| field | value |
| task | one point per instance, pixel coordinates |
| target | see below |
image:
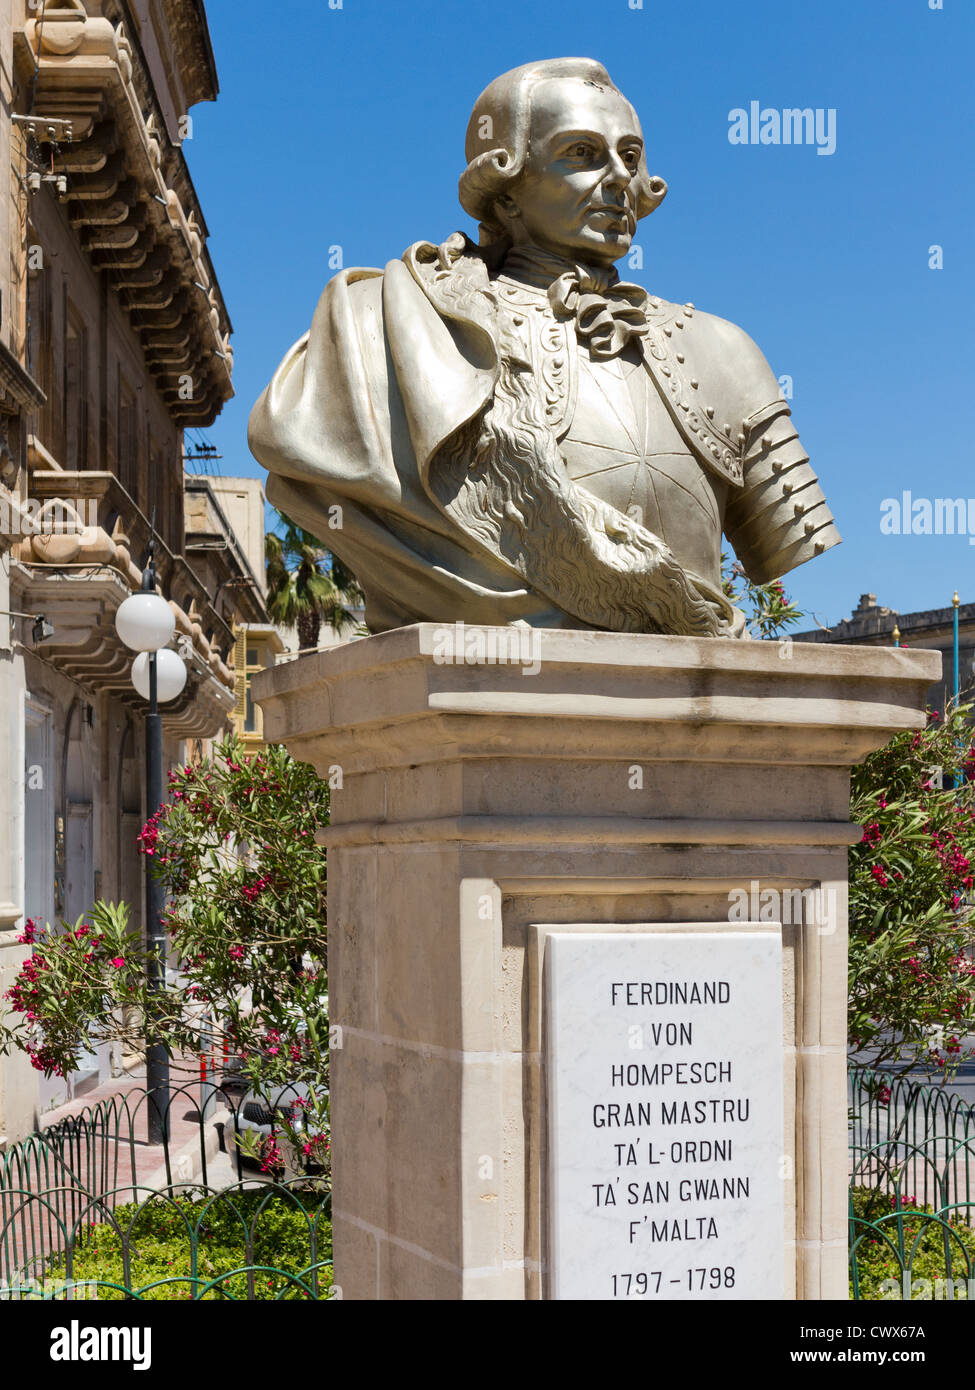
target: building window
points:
(39, 867)
(127, 435)
(75, 388)
(250, 656)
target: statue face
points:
(576, 196)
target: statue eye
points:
(582, 151)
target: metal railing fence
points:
(75, 1206)
(75, 1200)
(912, 1189)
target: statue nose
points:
(619, 174)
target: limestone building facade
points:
(114, 339)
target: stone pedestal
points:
(603, 784)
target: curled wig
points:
(497, 139)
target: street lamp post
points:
(145, 624)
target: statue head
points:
(555, 157)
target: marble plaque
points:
(665, 1113)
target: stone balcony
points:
(74, 563)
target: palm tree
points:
(306, 585)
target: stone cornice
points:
(191, 38)
(395, 700)
(144, 233)
(595, 830)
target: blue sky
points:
(345, 127)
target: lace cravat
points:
(608, 311)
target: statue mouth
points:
(620, 216)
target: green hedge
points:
(161, 1233)
(931, 1249)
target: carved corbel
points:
(150, 274)
(168, 339)
(166, 315)
(124, 51)
(90, 156)
(118, 236)
(57, 540)
(69, 29)
(85, 211)
(194, 235)
(123, 257)
(152, 142)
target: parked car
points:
(255, 1115)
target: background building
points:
(872, 625)
(219, 507)
(114, 340)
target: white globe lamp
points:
(145, 622)
(170, 675)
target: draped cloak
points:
(397, 363)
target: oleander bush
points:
(912, 886)
(235, 845)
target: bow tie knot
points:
(607, 315)
(608, 311)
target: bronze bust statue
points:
(508, 432)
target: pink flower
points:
(118, 962)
